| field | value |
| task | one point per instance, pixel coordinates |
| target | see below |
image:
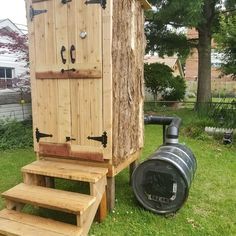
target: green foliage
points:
(157, 77)
(177, 89)
(223, 114)
(15, 134)
(160, 81)
(226, 41)
(164, 31)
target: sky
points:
(14, 10)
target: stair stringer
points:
(85, 220)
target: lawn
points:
(210, 209)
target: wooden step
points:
(55, 199)
(66, 170)
(17, 223)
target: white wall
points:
(10, 60)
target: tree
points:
(159, 80)
(15, 43)
(165, 37)
(226, 42)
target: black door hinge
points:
(34, 12)
(102, 139)
(103, 3)
(41, 135)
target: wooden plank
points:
(65, 170)
(111, 193)
(102, 210)
(32, 60)
(16, 223)
(65, 151)
(70, 202)
(83, 74)
(55, 149)
(107, 77)
(35, 1)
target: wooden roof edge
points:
(146, 5)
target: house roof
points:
(169, 61)
(4, 23)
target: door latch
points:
(102, 139)
(39, 135)
(65, 1)
(103, 3)
(33, 12)
(68, 139)
(63, 71)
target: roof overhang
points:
(146, 5)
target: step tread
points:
(17, 223)
(66, 170)
(65, 201)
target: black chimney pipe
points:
(171, 134)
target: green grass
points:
(210, 209)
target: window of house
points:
(6, 73)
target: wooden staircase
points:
(35, 191)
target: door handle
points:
(63, 49)
(72, 49)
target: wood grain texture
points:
(64, 150)
(21, 224)
(127, 59)
(70, 202)
(65, 170)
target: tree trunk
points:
(204, 67)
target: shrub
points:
(15, 134)
(159, 80)
(177, 89)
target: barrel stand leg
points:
(132, 167)
(110, 193)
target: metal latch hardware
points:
(68, 139)
(102, 139)
(34, 12)
(65, 1)
(63, 71)
(41, 135)
(103, 3)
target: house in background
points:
(10, 68)
(173, 62)
(221, 85)
(14, 104)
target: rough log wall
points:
(127, 55)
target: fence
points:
(15, 105)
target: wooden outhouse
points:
(86, 68)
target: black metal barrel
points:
(161, 184)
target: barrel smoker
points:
(161, 183)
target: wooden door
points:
(68, 104)
(85, 42)
(51, 92)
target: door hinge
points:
(102, 139)
(39, 135)
(103, 3)
(34, 12)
